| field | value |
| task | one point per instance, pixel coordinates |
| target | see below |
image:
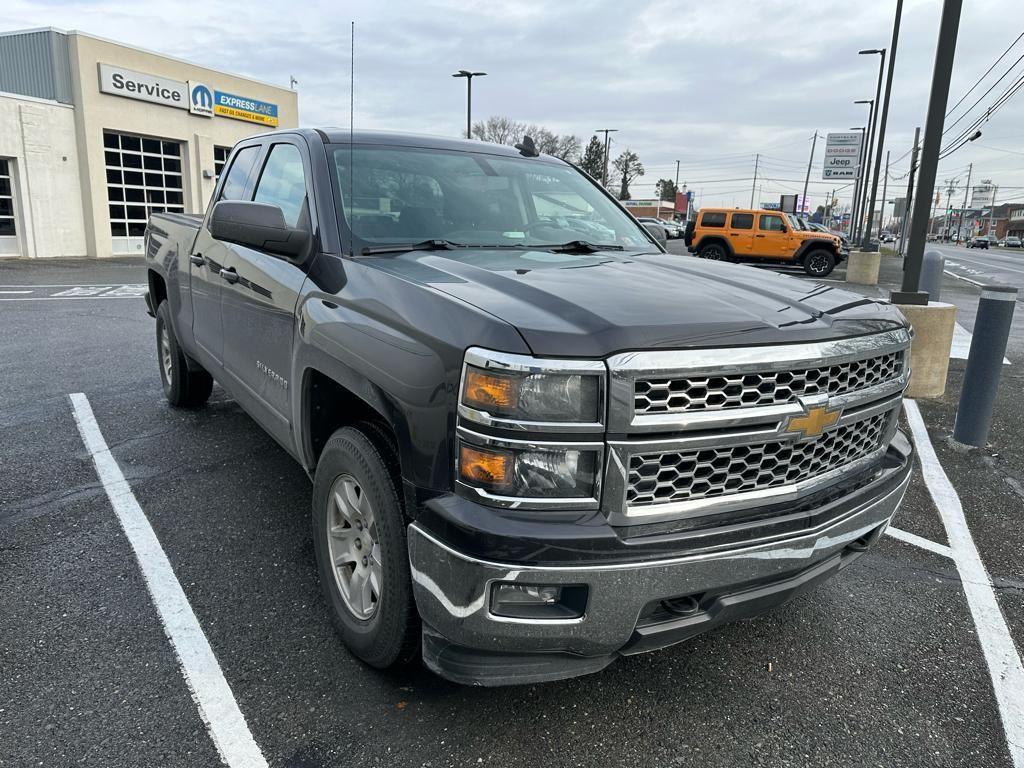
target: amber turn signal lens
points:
(483, 467)
(487, 390)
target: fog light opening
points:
(543, 602)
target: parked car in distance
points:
(531, 453)
(979, 241)
(1012, 242)
(672, 228)
(822, 228)
(724, 234)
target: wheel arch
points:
(716, 240)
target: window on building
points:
(772, 224)
(143, 177)
(6, 201)
(283, 182)
(220, 158)
(743, 221)
(713, 219)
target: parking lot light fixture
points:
(469, 96)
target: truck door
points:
(209, 256)
(258, 300)
(741, 233)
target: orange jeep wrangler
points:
(726, 234)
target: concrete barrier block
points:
(862, 267)
(929, 353)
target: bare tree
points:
(628, 169)
(499, 130)
(504, 130)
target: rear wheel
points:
(819, 263)
(713, 251)
(359, 536)
(183, 387)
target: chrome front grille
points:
(692, 433)
(660, 478)
(703, 393)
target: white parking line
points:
(919, 541)
(210, 691)
(1004, 664)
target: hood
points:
(594, 305)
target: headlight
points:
(507, 470)
(520, 392)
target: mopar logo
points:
(200, 99)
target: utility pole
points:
(992, 212)
(951, 187)
(963, 211)
(753, 187)
(807, 178)
(905, 224)
(885, 200)
(604, 175)
(945, 50)
(675, 191)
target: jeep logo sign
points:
(138, 85)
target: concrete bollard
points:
(932, 268)
(984, 365)
(929, 353)
(862, 267)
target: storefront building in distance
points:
(96, 135)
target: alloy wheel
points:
(353, 547)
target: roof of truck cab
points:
(397, 139)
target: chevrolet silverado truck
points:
(537, 442)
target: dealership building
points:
(96, 135)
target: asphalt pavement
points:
(881, 666)
(980, 265)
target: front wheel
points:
(359, 536)
(183, 387)
(819, 263)
(713, 251)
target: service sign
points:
(142, 87)
(241, 108)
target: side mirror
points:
(657, 232)
(257, 225)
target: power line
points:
(987, 71)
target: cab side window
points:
(743, 221)
(283, 183)
(238, 177)
(713, 219)
(772, 224)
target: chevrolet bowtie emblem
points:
(812, 423)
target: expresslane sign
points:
(194, 96)
(241, 108)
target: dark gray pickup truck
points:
(537, 441)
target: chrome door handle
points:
(197, 259)
(229, 274)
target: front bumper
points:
(465, 642)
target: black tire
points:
(713, 251)
(819, 262)
(391, 635)
(184, 387)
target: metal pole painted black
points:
(885, 114)
(866, 177)
(984, 364)
(905, 224)
(856, 187)
(937, 101)
(885, 192)
(866, 242)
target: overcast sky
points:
(709, 84)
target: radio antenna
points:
(351, 140)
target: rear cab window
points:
(713, 219)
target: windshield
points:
(795, 223)
(405, 195)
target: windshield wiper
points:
(578, 246)
(425, 245)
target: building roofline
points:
(36, 99)
(78, 32)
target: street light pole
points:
(885, 200)
(945, 50)
(604, 174)
(866, 169)
(469, 97)
(885, 116)
(856, 186)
